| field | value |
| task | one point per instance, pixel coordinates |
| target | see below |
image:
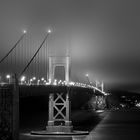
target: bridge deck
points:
(36, 90)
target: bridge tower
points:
(58, 61)
(59, 103)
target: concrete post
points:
(14, 81)
(68, 111)
(102, 87)
(51, 99)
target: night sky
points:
(103, 36)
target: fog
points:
(102, 37)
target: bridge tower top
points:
(59, 61)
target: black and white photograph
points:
(69, 69)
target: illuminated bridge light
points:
(71, 83)
(55, 82)
(24, 31)
(59, 82)
(8, 76)
(22, 80)
(34, 78)
(31, 80)
(63, 83)
(38, 82)
(49, 31)
(47, 83)
(66, 83)
(42, 79)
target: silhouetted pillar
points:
(51, 99)
(68, 111)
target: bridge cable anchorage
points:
(34, 55)
(12, 48)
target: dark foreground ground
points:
(118, 125)
(82, 120)
(115, 125)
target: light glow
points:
(31, 80)
(23, 78)
(24, 31)
(34, 78)
(8, 76)
(49, 31)
(42, 79)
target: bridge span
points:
(37, 90)
(59, 97)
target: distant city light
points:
(138, 105)
(87, 75)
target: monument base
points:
(73, 133)
(59, 128)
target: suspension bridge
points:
(31, 65)
(35, 71)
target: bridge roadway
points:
(37, 90)
(34, 96)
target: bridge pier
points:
(9, 110)
(98, 102)
(59, 103)
(59, 122)
(59, 113)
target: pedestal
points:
(59, 122)
(59, 113)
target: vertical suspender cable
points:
(45, 61)
(34, 55)
(47, 58)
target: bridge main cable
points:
(10, 51)
(35, 54)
